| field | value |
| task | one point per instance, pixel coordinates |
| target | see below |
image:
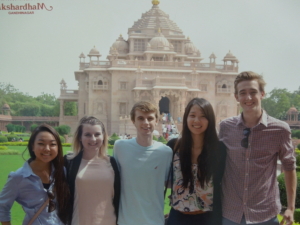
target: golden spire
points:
(159, 31)
(155, 2)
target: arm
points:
(7, 197)
(290, 184)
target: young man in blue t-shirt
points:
(144, 165)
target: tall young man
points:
(144, 165)
(254, 142)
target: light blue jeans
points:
(273, 221)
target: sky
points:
(38, 50)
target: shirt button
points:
(246, 189)
(244, 203)
(246, 174)
(247, 159)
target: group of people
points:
(227, 178)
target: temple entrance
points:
(164, 105)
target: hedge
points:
(282, 190)
(10, 152)
(3, 139)
(298, 160)
(3, 148)
(12, 136)
(297, 215)
(25, 144)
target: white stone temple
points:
(157, 63)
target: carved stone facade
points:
(156, 61)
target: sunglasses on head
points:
(52, 205)
(245, 142)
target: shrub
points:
(10, 127)
(298, 146)
(3, 139)
(110, 146)
(63, 129)
(282, 190)
(66, 144)
(3, 148)
(33, 126)
(62, 139)
(112, 139)
(14, 143)
(12, 137)
(162, 139)
(297, 215)
(10, 152)
(155, 138)
(298, 160)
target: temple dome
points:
(5, 106)
(153, 19)
(230, 57)
(159, 42)
(190, 49)
(292, 109)
(94, 52)
(121, 45)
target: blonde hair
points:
(249, 75)
(144, 107)
(77, 145)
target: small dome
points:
(212, 56)
(159, 42)
(82, 55)
(94, 52)
(190, 49)
(292, 109)
(5, 106)
(121, 45)
(230, 57)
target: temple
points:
(157, 63)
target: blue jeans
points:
(273, 221)
(178, 218)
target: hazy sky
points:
(37, 51)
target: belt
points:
(194, 212)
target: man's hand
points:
(288, 217)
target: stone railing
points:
(68, 94)
(158, 64)
(35, 118)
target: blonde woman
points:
(93, 176)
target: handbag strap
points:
(38, 212)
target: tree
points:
(33, 126)
(10, 127)
(70, 108)
(63, 129)
(112, 139)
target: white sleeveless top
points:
(94, 192)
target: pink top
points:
(94, 192)
(199, 199)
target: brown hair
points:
(249, 75)
(77, 145)
(208, 159)
(61, 187)
(145, 107)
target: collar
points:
(27, 171)
(263, 119)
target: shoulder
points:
(122, 142)
(276, 123)
(230, 120)
(161, 146)
(172, 143)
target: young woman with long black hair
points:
(198, 165)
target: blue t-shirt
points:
(144, 171)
